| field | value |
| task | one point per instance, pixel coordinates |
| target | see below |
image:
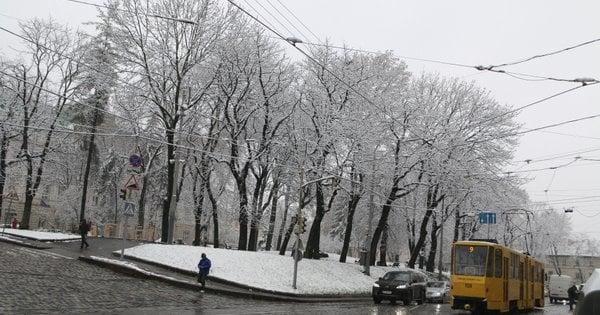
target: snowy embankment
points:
(41, 236)
(265, 271)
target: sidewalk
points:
(101, 251)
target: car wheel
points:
(376, 300)
(407, 301)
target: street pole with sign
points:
(297, 229)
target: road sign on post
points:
(487, 218)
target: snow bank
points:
(41, 236)
(131, 266)
(264, 270)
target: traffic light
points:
(123, 194)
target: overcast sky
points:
(467, 32)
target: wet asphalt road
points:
(41, 282)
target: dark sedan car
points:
(404, 285)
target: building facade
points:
(577, 266)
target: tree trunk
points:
(255, 216)
(286, 239)
(273, 215)
(432, 202)
(430, 266)
(349, 221)
(24, 224)
(170, 134)
(385, 212)
(215, 214)
(3, 165)
(457, 218)
(314, 236)
(285, 214)
(243, 215)
(88, 166)
(383, 247)
(199, 204)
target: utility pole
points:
(441, 245)
(173, 205)
(370, 225)
(298, 217)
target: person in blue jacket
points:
(203, 269)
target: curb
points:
(42, 239)
(320, 298)
(24, 244)
(194, 286)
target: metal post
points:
(173, 205)
(295, 263)
(441, 244)
(124, 236)
(370, 218)
(298, 214)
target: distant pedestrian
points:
(84, 228)
(572, 292)
(203, 270)
(15, 223)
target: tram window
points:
(490, 263)
(498, 263)
(470, 260)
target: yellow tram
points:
(488, 276)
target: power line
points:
(300, 21)
(546, 54)
(175, 19)
(274, 17)
(520, 108)
(538, 128)
(571, 135)
(516, 75)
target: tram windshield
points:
(469, 260)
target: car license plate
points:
(386, 292)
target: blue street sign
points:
(487, 218)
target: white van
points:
(558, 287)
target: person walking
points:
(572, 292)
(203, 270)
(84, 228)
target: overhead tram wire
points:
(308, 56)
(481, 68)
(288, 20)
(314, 60)
(546, 54)
(520, 108)
(175, 19)
(247, 2)
(571, 135)
(300, 21)
(536, 129)
(274, 17)
(98, 71)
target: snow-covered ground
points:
(41, 236)
(264, 270)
